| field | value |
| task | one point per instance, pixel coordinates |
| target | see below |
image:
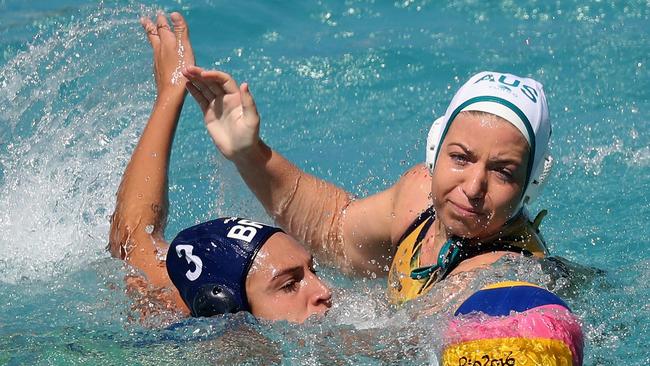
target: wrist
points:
(173, 96)
(257, 153)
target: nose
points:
(475, 183)
(320, 296)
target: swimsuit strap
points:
(415, 258)
(454, 251)
(447, 260)
(424, 215)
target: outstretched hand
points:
(172, 52)
(229, 110)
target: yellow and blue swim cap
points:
(209, 262)
(513, 323)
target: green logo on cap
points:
(528, 91)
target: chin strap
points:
(538, 219)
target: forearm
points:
(308, 208)
(142, 202)
(318, 213)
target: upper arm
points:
(131, 241)
(372, 226)
(366, 231)
(146, 251)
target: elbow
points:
(127, 220)
(118, 239)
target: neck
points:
(434, 240)
(513, 223)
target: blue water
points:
(347, 90)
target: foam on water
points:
(71, 128)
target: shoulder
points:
(416, 175)
(412, 197)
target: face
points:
(479, 175)
(282, 283)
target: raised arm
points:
(354, 235)
(138, 223)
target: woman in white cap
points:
(486, 159)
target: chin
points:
(468, 229)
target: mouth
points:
(465, 211)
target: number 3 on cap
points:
(198, 263)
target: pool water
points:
(346, 90)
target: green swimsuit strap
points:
(448, 258)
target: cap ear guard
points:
(538, 180)
(433, 142)
(214, 299)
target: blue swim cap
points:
(208, 263)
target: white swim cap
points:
(520, 101)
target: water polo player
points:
(463, 209)
(220, 266)
(233, 264)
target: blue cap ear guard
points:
(208, 263)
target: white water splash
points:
(72, 115)
(592, 158)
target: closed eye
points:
(288, 280)
(290, 286)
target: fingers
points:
(247, 102)
(198, 96)
(180, 28)
(164, 31)
(215, 83)
(207, 86)
(221, 80)
(151, 31)
(193, 74)
(182, 33)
